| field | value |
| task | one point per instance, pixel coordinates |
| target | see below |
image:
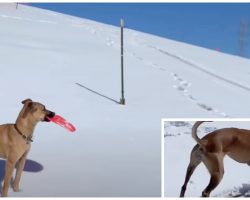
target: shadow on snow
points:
(30, 166)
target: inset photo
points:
(206, 157)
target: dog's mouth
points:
(48, 116)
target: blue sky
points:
(210, 25)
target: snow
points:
(72, 65)
(178, 146)
(44, 55)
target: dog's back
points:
(5, 137)
(211, 150)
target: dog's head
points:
(36, 110)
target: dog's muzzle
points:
(49, 115)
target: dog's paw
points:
(16, 189)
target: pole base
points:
(122, 101)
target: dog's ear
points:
(26, 100)
(27, 108)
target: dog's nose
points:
(51, 114)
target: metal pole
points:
(243, 36)
(122, 100)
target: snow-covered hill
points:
(178, 146)
(72, 65)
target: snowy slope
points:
(72, 66)
(178, 146)
(44, 55)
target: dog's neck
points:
(25, 126)
(26, 138)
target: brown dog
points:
(211, 150)
(15, 140)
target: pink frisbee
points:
(63, 123)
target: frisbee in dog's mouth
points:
(62, 122)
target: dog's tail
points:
(194, 133)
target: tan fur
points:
(211, 150)
(13, 147)
(194, 132)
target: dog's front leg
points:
(20, 166)
(9, 167)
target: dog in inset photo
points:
(15, 140)
(211, 150)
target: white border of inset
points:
(206, 119)
(162, 159)
(163, 120)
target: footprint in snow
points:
(179, 87)
(183, 85)
(204, 106)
